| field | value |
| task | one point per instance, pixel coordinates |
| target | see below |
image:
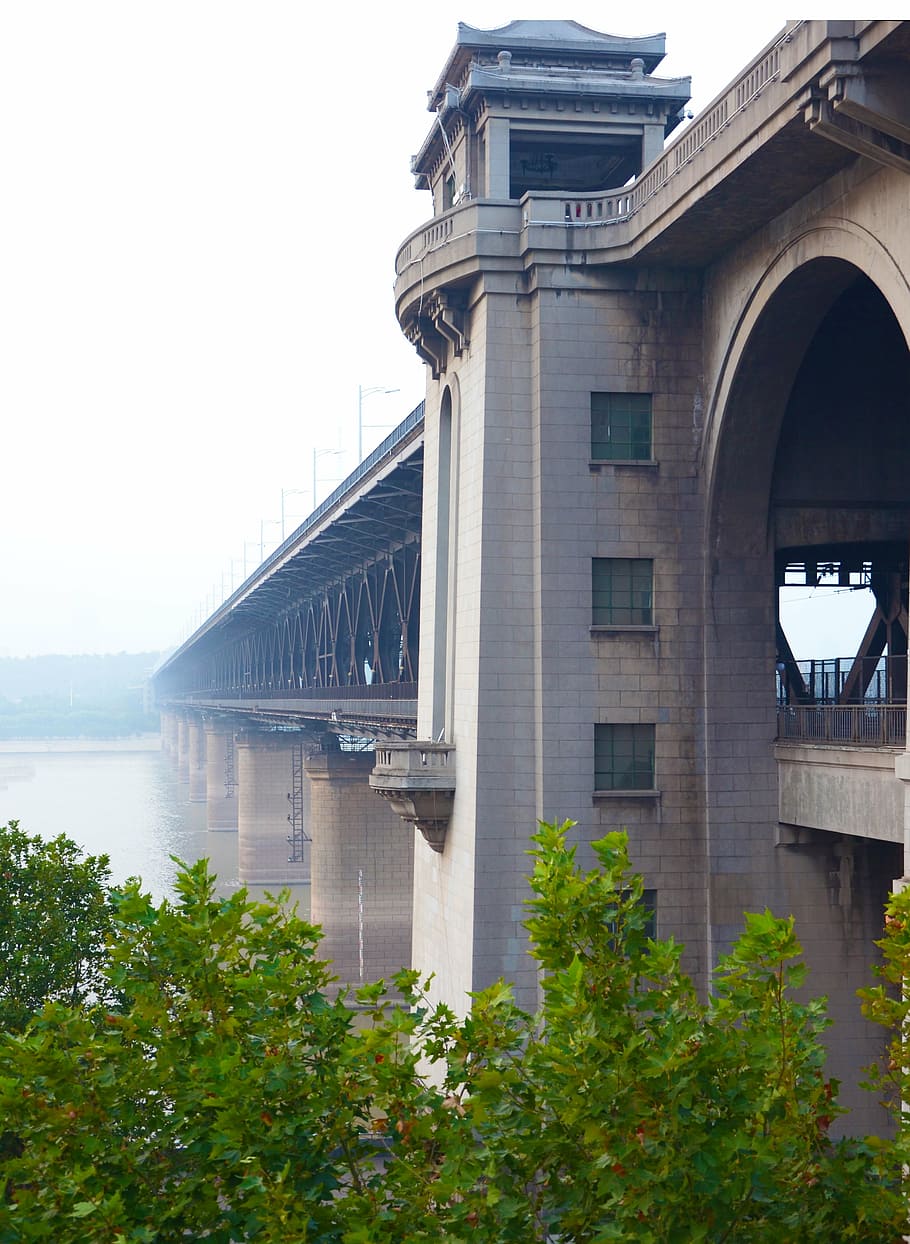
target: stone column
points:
(183, 747)
(362, 870)
(221, 795)
(196, 758)
(265, 778)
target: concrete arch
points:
(822, 272)
(764, 349)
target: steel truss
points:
(359, 632)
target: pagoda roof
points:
(551, 39)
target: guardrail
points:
(858, 725)
(621, 205)
(377, 691)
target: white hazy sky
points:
(201, 204)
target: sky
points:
(202, 202)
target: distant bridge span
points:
(326, 629)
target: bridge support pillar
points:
(265, 766)
(220, 775)
(183, 747)
(196, 757)
(168, 729)
(363, 859)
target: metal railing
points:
(861, 725)
(377, 691)
(847, 680)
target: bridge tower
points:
(658, 388)
(541, 471)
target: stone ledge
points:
(610, 628)
(625, 794)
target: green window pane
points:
(624, 757)
(620, 426)
(622, 591)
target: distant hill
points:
(88, 696)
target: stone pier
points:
(183, 747)
(362, 866)
(196, 757)
(265, 768)
(221, 794)
(168, 730)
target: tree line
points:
(86, 696)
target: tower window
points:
(620, 426)
(622, 591)
(624, 757)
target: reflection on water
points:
(129, 805)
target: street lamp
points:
(320, 453)
(263, 523)
(246, 545)
(289, 492)
(361, 394)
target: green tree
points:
(233, 1097)
(54, 918)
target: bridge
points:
(662, 384)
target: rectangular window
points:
(649, 901)
(623, 757)
(620, 427)
(622, 591)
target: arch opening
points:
(810, 497)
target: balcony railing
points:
(845, 680)
(861, 725)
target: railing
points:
(424, 759)
(847, 680)
(861, 725)
(374, 692)
(383, 450)
(398, 437)
(625, 203)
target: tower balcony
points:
(418, 780)
(437, 265)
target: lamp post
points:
(361, 394)
(320, 453)
(263, 523)
(288, 492)
(246, 545)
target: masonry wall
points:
(641, 336)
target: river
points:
(122, 799)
